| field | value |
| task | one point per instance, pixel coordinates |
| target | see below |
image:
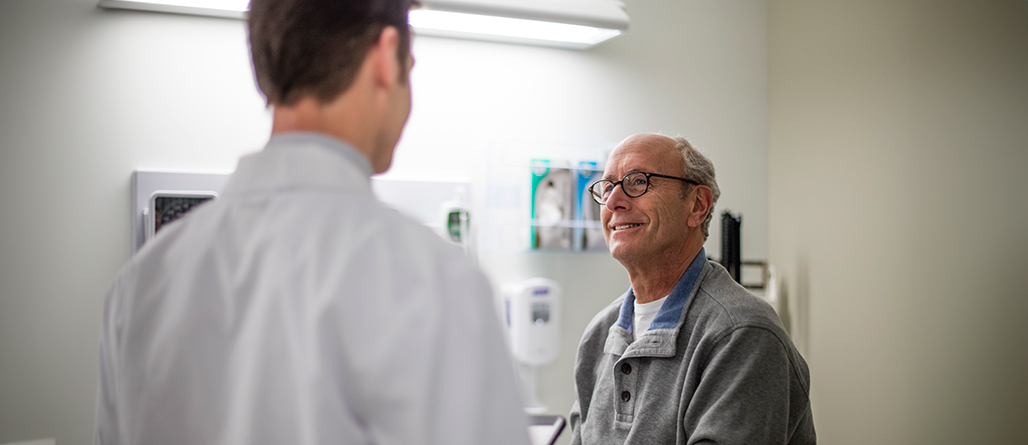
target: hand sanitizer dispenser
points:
(533, 316)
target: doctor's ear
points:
(383, 55)
(703, 200)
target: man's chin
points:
(620, 252)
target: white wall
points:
(87, 96)
(898, 143)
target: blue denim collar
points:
(671, 311)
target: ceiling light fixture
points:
(232, 9)
(576, 24)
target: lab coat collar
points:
(303, 138)
(301, 160)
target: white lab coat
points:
(297, 309)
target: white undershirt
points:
(644, 315)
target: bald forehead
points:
(651, 153)
(648, 141)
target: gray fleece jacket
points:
(716, 366)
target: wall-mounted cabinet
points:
(536, 198)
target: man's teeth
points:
(626, 226)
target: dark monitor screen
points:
(168, 207)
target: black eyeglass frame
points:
(598, 197)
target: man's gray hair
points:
(699, 169)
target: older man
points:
(687, 355)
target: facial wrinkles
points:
(621, 212)
(644, 225)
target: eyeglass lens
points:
(633, 184)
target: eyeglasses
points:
(634, 185)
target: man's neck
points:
(657, 278)
(346, 118)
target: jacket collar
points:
(305, 160)
(661, 337)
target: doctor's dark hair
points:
(698, 168)
(301, 48)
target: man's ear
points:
(384, 58)
(702, 201)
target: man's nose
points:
(617, 198)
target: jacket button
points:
(625, 396)
(626, 368)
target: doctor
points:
(297, 309)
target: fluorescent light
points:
(233, 9)
(226, 5)
(504, 29)
(575, 24)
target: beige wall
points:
(898, 149)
